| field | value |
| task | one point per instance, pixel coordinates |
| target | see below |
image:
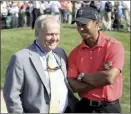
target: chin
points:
(87, 37)
(52, 47)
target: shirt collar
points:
(100, 42)
(40, 50)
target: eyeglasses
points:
(53, 69)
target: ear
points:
(36, 33)
(97, 22)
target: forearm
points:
(97, 79)
(79, 86)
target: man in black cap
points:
(100, 88)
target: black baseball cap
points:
(86, 14)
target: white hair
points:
(41, 21)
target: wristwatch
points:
(80, 76)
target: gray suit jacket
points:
(25, 88)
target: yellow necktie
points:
(54, 102)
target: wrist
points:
(81, 76)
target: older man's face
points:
(49, 37)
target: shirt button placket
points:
(91, 55)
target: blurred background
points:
(113, 14)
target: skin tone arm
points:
(81, 86)
(102, 78)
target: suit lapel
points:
(35, 59)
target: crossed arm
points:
(105, 77)
(91, 81)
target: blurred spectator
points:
(69, 10)
(78, 5)
(55, 8)
(95, 4)
(42, 8)
(9, 21)
(4, 10)
(118, 15)
(85, 3)
(127, 12)
(22, 16)
(64, 11)
(102, 11)
(4, 13)
(30, 11)
(47, 7)
(35, 12)
(108, 10)
(14, 10)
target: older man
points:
(36, 75)
(99, 89)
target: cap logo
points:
(81, 12)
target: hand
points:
(107, 65)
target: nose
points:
(81, 28)
(53, 36)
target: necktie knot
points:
(51, 63)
